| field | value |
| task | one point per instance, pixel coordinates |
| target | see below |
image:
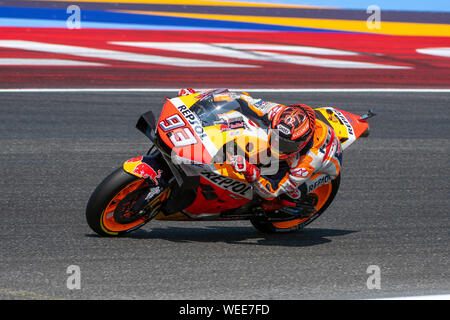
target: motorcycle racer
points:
(306, 144)
(221, 155)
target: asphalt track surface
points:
(392, 209)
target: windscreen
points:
(213, 104)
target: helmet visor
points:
(284, 146)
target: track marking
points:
(106, 54)
(26, 294)
(440, 52)
(233, 50)
(362, 90)
(429, 297)
(251, 51)
(46, 62)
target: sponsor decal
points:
(300, 133)
(206, 148)
(147, 172)
(283, 129)
(292, 190)
(300, 172)
(344, 121)
(153, 192)
(171, 123)
(193, 120)
(261, 104)
(237, 187)
(232, 124)
(318, 182)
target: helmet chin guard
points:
(292, 129)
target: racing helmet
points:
(291, 130)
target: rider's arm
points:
(268, 187)
(305, 165)
(259, 108)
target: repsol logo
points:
(237, 187)
(193, 120)
(319, 182)
(344, 121)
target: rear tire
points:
(269, 227)
(107, 196)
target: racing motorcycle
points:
(185, 175)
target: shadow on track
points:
(240, 235)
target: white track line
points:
(249, 51)
(394, 90)
(430, 297)
(106, 54)
(46, 62)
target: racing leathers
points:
(303, 171)
(322, 156)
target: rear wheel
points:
(325, 193)
(109, 209)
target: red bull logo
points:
(147, 172)
(137, 167)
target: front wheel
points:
(325, 193)
(109, 209)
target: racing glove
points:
(250, 172)
(186, 92)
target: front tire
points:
(106, 211)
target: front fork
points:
(150, 168)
